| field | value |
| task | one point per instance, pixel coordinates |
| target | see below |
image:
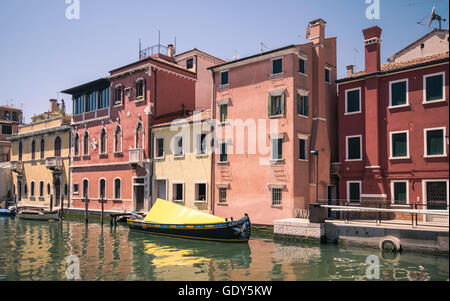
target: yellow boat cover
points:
(164, 212)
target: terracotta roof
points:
(404, 64)
(200, 116)
(10, 108)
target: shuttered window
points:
(302, 105)
(277, 149)
(399, 93)
(435, 142)
(353, 148)
(353, 101)
(434, 87)
(399, 145)
(277, 104)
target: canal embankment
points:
(389, 236)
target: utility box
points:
(317, 214)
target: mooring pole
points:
(103, 209)
(51, 202)
(61, 212)
(86, 208)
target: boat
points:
(8, 212)
(169, 219)
(39, 214)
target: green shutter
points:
(400, 193)
(283, 104)
(270, 105)
(306, 100)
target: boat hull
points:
(234, 231)
(40, 216)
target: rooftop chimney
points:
(350, 70)
(54, 106)
(317, 31)
(372, 44)
(170, 50)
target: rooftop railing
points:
(158, 48)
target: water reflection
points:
(33, 250)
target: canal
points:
(35, 250)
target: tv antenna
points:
(263, 46)
(435, 16)
(235, 56)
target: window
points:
(103, 100)
(434, 87)
(398, 93)
(91, 102)
(224, 78)
(42, 148)
(190, 64)
(86, 144)
(302, 105)
(200, 192)
(277, 66)
(76, 188)
(353, 101)
(140, 84)
(223, 152)
(399, 145)
(32, 189)
(201, 144)
(399, 192)
(6, 129)
(48, 189)
(302, 66)
(222, 195)
(223, 110)
(277, 194)
(139, 135)
(102, 189)
(41, 188)
(15, 116)
(7, 116)
(57, 152)
(118, 95)
(354, 192)
(118, 140)
(276, 105)
(85, 188)
(103, 141)
(25, 190)
(277, 148)
(20, 150)
(354, 148)
(178, 192)
(159, 147)
(79, 105)
(327, 75)
(434, 144)
(302, 149)
(117, 189)
(178, 150)
(435, 194)
(33, 150)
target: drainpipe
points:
(213, 107)
(152, 168)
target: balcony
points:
(16, 166)
(136, 156)
(53, 163)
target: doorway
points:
(139, 193)
(161, 189)
(57, 191)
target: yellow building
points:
(40, 159)
(182, 161)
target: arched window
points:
(58, 146)
(48, 189)
(76, 145)
(103, 141)
(20, 150)
(85, 188)
(42, 148)
(33, 150)
(102, 189)
(86, 144)
(139, 136)
(118, 139)
(117, 189)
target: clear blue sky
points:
(41, 52)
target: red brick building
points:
(393, 129)
(112, 120)
(10, 119)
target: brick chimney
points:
(54, 106)
(317, 31)
(372, 44)
(350, 70)
(170, 50)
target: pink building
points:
(394, 125)
(293, 87)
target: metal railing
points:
(53, 163)
(136, 155)
(155, 49)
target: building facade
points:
(182, 161)
(10, 119)
(40, 159)
(112, 131)
(393, 129)
(272, 110)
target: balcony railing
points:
(155, 49)
(136, 156)
(53, 163)
(16, 166)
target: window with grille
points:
(222, 195)
(276, 196)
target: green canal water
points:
(34, 250)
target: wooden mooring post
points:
(86, 207)
(61, 211)
(51, 202)
(103, 211)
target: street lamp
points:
(316, 153)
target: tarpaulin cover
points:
(164, 212)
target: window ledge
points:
(401, 205)
(178, 201)
(118, 153)
(304, 74)
(225, 123)
(277, 161)
(224, 86)
(399, 106)
(200, 202)
(201, 155)
(304, 116)
(277, 116)
(329, 83)
(352, 113)
(303, 160)
(276, 74)
(160, 158)
(178, 156)
(222, 204)
(138, 100)
(353, 160)
(277, 206)
(400, 158)
(435, 156)
(425, 102)
(223, 163)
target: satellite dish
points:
(435, 16)
(432, 16)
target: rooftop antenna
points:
(263, 46)
(236, 56)
(140, 48)
(159, 41)
(356, 52)
(435, 16)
